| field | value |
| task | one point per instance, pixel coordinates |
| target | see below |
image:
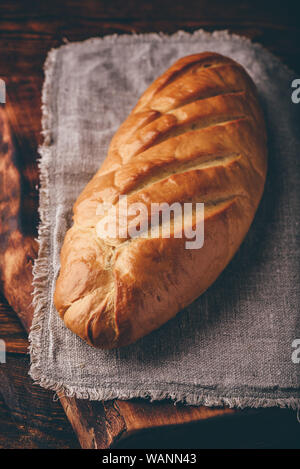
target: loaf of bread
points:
(197, 134)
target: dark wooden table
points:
(28, 415)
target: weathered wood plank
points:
(11, 330)
(29, 418)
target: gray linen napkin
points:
(234, 345)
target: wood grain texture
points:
(27, 31)
(29, 417)
(11, 331)
(18, 247)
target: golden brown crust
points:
(196, 135)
